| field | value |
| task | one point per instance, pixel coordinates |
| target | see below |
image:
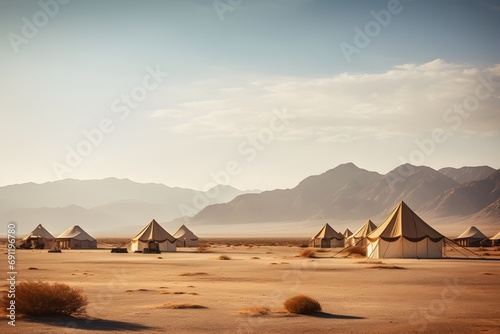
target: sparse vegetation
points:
(357, 250)
(203, 248)
(387, 267)
(224, 257)
(182, 306)
(37, 298)
(308, 252)
(256, 311)
(194, 274)
(302, 305)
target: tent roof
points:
(347, 233)
(472, 232)
(75, 232)
(153, 232)
(185, 233)
(327, 232)
(403, 222)
(40, 231)
(364, 230)
(496, 237)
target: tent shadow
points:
(89, 323)
(325, 315)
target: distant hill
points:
(108, 203)
(345, 196)
(467, 174)
(469, 198)
(351, 193)
(311, 198)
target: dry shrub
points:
(194, 274)
(224, 257)
(359, 250)
(256, 311)
(37, 298)
(203, 248)
(387, 267)
(302, 305)
(182, 306)
(255, 258)
(308, 252)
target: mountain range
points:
(109, 204)
(349, 193)
(345, 195)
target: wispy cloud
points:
(406, 100)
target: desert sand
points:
(132, 292)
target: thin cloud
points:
(405, 100)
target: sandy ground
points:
(127, 292)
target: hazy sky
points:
(268, 92)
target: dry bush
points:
(255, 258)
(302, 305)
(308, 252)
(355, 250)
(387, 267)
(182, 306)
(224, 257)
(256, 311)
(202, 248)
(194, 274)
(37, 298)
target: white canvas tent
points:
(75, 238)
(39, 238)
(153, 238)
(327, 238)
(347, 233)
(495, 239)
(471, 237)
(359, 237)
(404, 235)
(185, 237)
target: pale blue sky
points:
(227, 76)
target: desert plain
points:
(192, 292)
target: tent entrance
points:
(153, 247)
